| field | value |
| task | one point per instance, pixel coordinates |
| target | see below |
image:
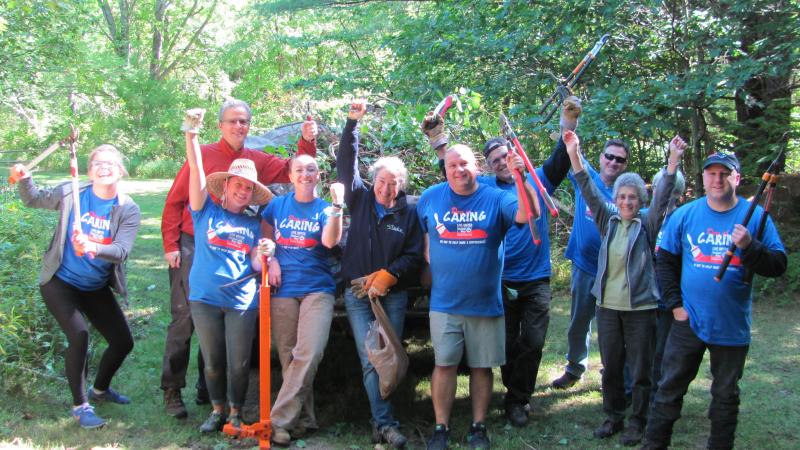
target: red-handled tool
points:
(444, 105)
(76, 195)
(511, 136)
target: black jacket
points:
(394, 243)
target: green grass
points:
(37, 416)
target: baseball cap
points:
(728, 160)
(492, 144)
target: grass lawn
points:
(769, 417)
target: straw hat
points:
(243, 168)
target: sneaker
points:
(280, 436)
(439, 438)
(392, 436)
(109, 395)
(608, 429)
(516, 415)
(173, 404)
(214, 423)
(477, 437)
(632, 435)
(235, 420)
(567, 380)
(86, 417)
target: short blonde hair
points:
(108, 148)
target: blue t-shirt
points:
(466, 247)
(298, 234)
(222, 242)
(85, 272)
(719, 312)
(584, 241)
(524, 260)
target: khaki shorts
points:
(483, 337)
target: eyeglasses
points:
(107, 164)
(242, 122)
(616, 158)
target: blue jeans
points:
(359, 312)
(226, 337)
(682, 357)
(527, 316)
(580, 321)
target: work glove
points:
(193, 120)
(266, 247)
(379, 282)
(357, 287)
(570, 112)
(433, 127)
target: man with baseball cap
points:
(709, 315)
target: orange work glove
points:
(378, 283)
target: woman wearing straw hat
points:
(305, 227)
(227, 249)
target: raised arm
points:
(197, 175)
(347, 156)
(594, 200)
(664, 188)
(332, 233)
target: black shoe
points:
(649, 446)
(516, 415)
(565, 381)
(632, 435)
(608, 429)
(439, 438)
(202, 397)
(173, 404)
(477, 437)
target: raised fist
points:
(193, 120)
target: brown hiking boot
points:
(565, 381)
(570, 112)
(173, 404)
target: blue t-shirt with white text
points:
(223, 241)
(466, 235)
(524, 260)
(86, 272)
(305, 268)
(719, 312)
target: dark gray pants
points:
(178, 343)
(527, 316)
(626, 338)
(682, 358)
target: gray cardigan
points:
(125, 220)
(639, 266)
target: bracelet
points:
(337, 214)
(337, 205)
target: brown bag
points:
(385, 351)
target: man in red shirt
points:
(177, 233)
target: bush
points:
(29, 336)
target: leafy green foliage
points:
(29, 337)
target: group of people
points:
(645, 273)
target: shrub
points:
(29, 336)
